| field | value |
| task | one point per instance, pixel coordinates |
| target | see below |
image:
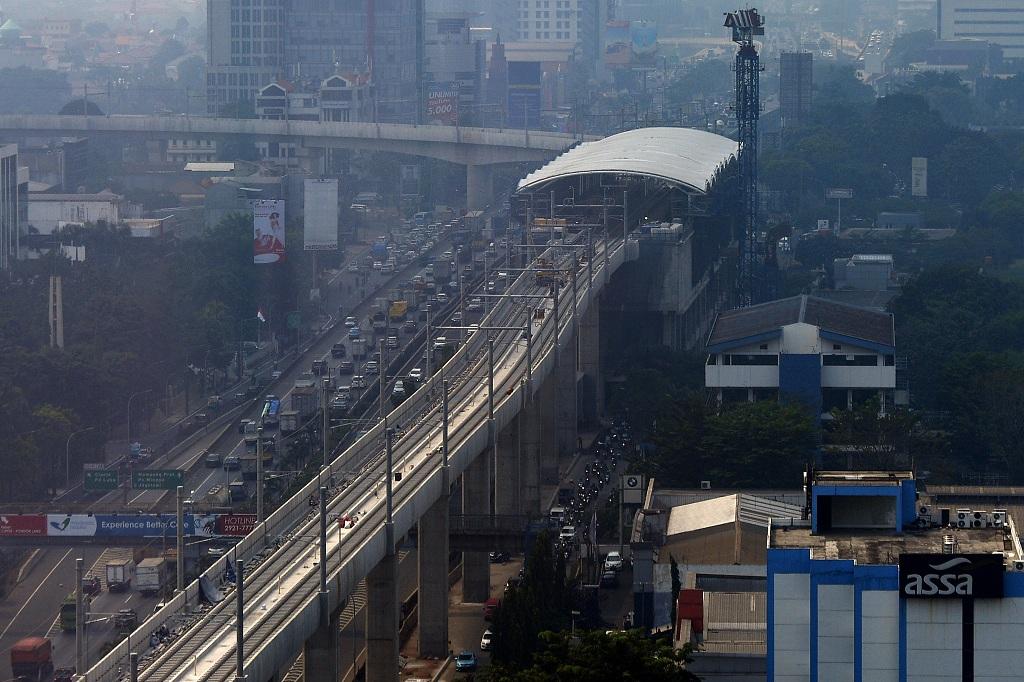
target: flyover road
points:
(282, 579)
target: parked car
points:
(490, 608)
(487, 640)
(613, 562)
(465, 661)
(498, 557)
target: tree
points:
(594, 656)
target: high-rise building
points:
(454, 59)
(1000, 22)
(795, 84)
(10, 223)
(254, 42)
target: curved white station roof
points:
(684, 156)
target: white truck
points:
(119, 575)
(151, 576)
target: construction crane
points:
(746, 24)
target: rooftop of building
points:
(872, 478)
(869, 547)
(724, 510)
(105, 195)
(830, 316)
(734, 623)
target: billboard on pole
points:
(919, 176)
(268, 230)
(443, 104)
(22, 525)
(320, 225)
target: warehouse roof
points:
(686, 157)
(829, 316)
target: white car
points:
(371, 367)
(487, 641)
(416, 374)
(351, 322)
(358, 381)
(353, 267)
(442, 298)
(613, 562)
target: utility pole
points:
(239, 621)
(327, 417)
(444, 422)
(382, 372)
(260, 517)
(389, 525)
(180, 537)
(133, 667)
(325, 617)
(430, 377)
(79, 616)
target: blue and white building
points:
(875, 584)
(825, 353)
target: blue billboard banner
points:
(128, 525)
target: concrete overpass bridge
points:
(479, 149)
(508, 412)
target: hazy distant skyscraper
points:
(1000, 22)
(795, 84)
(252, 42)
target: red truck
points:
(32, 658)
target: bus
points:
(271, 412)
(68, 610)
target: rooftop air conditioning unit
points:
(1018, 565)
(980, 519)
(705, 485)
(963, 518)
(948, 544)
(924, 510)
(998, 518)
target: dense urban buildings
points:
(251, 44)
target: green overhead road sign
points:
(157, 479)
(101, 479)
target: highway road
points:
(32, 606)
(281, 581)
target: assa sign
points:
(951, 576)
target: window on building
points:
(837, 346)
(764, 359)
(764, 346)
(835, 360)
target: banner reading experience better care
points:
(123, 525)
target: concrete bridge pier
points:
(476, 499)
(433, 578)
(507, 470)
(322, 659)
(528, 423)
(591, 390)
(566, 420)
(479, 186)
(382, 620)
(547, 397)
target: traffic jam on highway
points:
(355, 479)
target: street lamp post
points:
(132, 397)
(67, 455)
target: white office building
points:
(825, 353)
(1000, 22)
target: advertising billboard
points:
(524, 107)
(70, 525)
(22, 525)
(617, 51)
(951, 576)
(320, 224)
(643, 37)
(919, 176)
(235, 525)
(443, 104)
(268, 231)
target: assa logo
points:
(951, 576)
